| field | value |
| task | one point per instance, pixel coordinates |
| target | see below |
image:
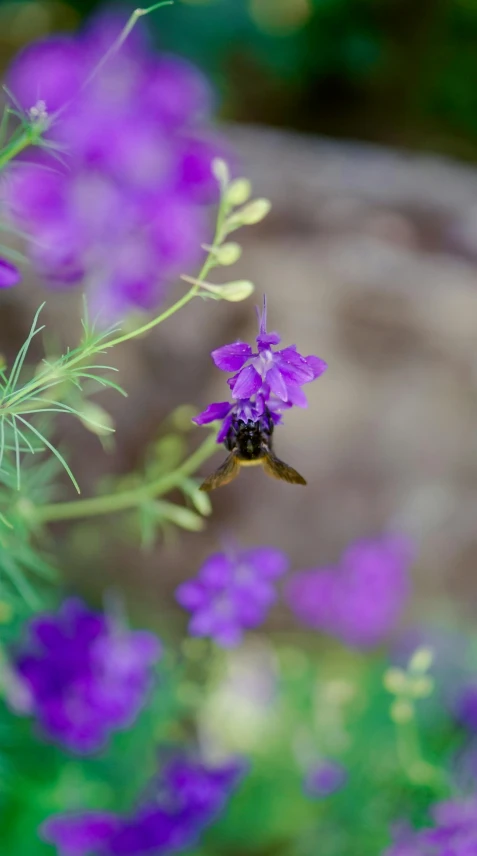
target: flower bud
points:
(396, 681)
(228, 254)
(96, 419)
(253, 212)
(221, 171)
(238, 192)
(421, 660)
(231, 291)
(180, 515)
(401, 711)
(421, 687)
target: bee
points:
(250, 444)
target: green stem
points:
(409, 750)
(129, 498)
(29, 137)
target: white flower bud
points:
(234, 292)
(238, 192)
(250, 214)
(228, 254)
(221, 171)
(96, 419)
(421, 660)
(396, 681)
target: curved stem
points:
(17, 145)
(127, 499)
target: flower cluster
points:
(121, 209)
(264, 379)
(184, 799)
(83, 677)
(454, 833)
(232, 593)
(362, 599)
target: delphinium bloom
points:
(362, 599)
(122, 210)
(264, 380)
(232, 593)
(83, 677)
(9, 274)
(180, 803)
(465, 705)
(325, 778)
(454, 833)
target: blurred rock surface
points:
(368, 259)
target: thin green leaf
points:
(52, 449)
(20, 358)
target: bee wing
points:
(223, 475)
(276, 468)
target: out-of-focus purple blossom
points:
(137, 148)
(362, 599)
(232, 593)
(325, 778)
(465, 705)
(179, 804)
(84, 676)
(454, 833)
(9, 274)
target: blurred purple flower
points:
(465, 705)
(138, 152)
(454, 833)
(9, 274)
(84, 676)
(360, 601)
(232, 593)
(180, 803)
(325, 778)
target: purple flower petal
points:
(9, 274)
(216, 410)
(294, 367)
(191, 595)
(86, 677)
(318, 366)
(174, 92)
(276, 383)
(270, 562)
(231, 358)
(246, 383)
(79, 834)
(51, 70)
(325, 778)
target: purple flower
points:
(362, 599)
(125, 214)
(85, 677)
(465, 705)
(279, 374)
(265, 383)
(9, 274)
(180, 803)
(232, 593)
(325, 778)
(454, 833)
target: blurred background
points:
(358, 119)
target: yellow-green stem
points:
(127, 499)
